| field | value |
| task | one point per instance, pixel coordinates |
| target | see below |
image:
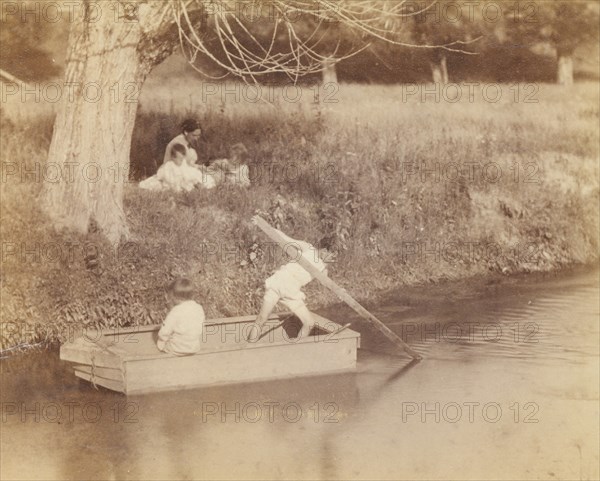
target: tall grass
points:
(343, 169)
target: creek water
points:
(508, 389)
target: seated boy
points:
(174, 174)
(233, 171)
(286, 284)
(182, 328)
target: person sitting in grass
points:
(234, 170)
(189, 138)
(286, 283)
(177, 175)
(181, 330)
(191, 132)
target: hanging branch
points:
(297, 48)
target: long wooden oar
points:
(337, 290)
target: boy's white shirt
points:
(182, 329)
(293, 272)
(226, 172)
(239, 175)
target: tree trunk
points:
(565, 70)
(91, 141)
(439, 71)
(329, 72)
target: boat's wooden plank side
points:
(223, 382)
(100, 381)
(110, 333)
(90, 354)
(264, 343)
(108, 373)
(242, 365)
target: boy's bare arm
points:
(166, 330)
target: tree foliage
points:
(565, 25)
(21, 52)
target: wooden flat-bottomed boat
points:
(127, 359)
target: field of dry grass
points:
(414, 185)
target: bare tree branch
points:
(251, 47)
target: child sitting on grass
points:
(232, 171)
(182, 328)
(177, 175)
(172, 174)
(286, 283)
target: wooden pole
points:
(337, 290)
(337, 331)
(12, 78)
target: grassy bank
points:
(413, 189)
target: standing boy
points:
(286, 284)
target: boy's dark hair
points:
(182, 289)
(189, 125)
(177, 149)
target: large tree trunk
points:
(565, 69)
(329, 72)
(439, 70)
(106, 68)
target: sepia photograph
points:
(300, 240)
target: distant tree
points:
(437, 23)
(564, 25)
